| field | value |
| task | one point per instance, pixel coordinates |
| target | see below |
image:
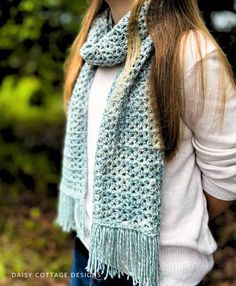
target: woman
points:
(150, 144)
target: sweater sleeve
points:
(214, 143)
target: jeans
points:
(79, 275)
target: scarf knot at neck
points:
(107, 45)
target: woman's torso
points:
(186, 242)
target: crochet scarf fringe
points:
(112, 244)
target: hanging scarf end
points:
(115, 251)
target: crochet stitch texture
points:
(129, 158)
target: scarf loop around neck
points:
(129, 159)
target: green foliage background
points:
(35, 36)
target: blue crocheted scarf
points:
(129, 159)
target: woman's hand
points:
(215, 206)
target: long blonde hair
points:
(167, 22)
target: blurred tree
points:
(226, 36)
(34, 38)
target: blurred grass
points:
(29, 240)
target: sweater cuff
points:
(217, 192)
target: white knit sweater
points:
(206, 160)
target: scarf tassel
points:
(68, 208)
(118, 251)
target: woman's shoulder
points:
(196, 45)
